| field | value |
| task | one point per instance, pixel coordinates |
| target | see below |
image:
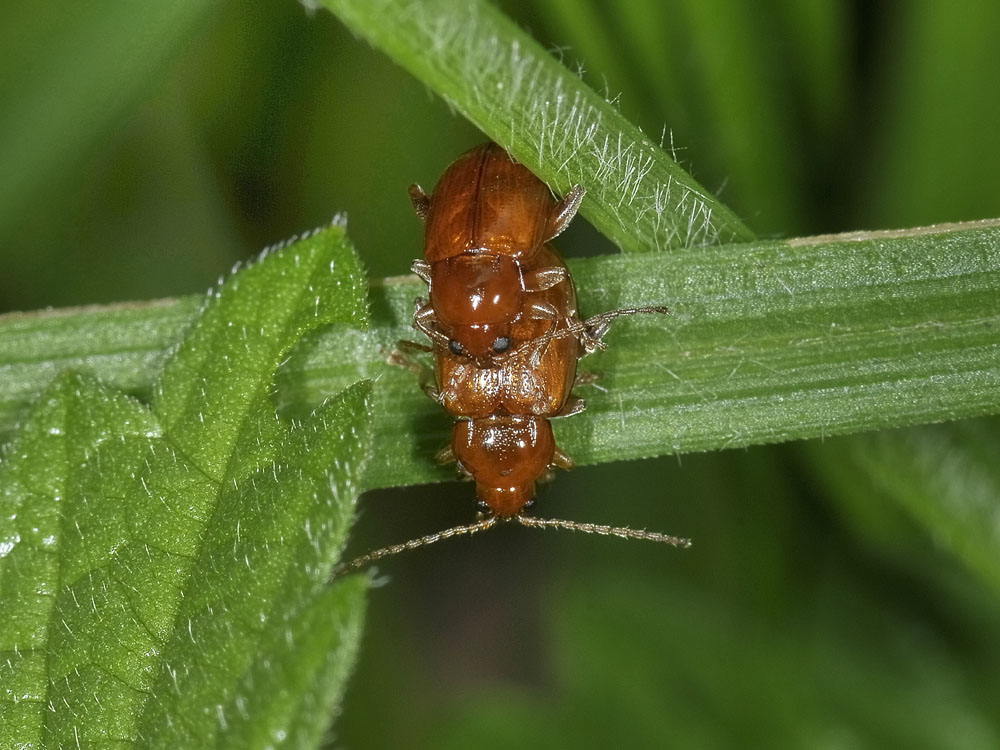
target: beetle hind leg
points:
(561, 461)
(587, 377)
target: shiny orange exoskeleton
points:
(506, 444)
(533, 378)
(487, 223)
(505, 335)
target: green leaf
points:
(247, 336)
(165, 571)
(774, 341)
(501, 79)
(739, 87)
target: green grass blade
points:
(165, 571)
(768, 342)
(498, 77)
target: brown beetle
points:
(505, 334)
(532, 378)
(487, 223)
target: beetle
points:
(505, 335)
(487, 223)
(534, 377)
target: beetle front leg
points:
(401, 356)
(422, 269)
(425, 321)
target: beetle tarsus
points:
(422, 269)
(564, 211)
(544, 278)
(574, 405)
(561, 460)
(543, 311)
(421, 201)
(445, 456)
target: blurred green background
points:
(144, 150)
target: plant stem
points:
(768, 342)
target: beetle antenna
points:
(593, 330)
(378, 554)
(595, 528)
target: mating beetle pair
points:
(505, 334)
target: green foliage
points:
(516, 93)
(722, 679)
(842, 592)
(943, 477)
(165, 570)
(769, 342)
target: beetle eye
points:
(501, 345)
(455, 347)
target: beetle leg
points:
(420, 200)
(597, 327)
(425, 321)
(564, 212)
(543, 311)
(573, 405)
(422, 269)
(401, 356)
(406, 347)
(543, 278)
(586, 377)
(561, 460)
(445, 456)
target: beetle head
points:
(505, 455)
